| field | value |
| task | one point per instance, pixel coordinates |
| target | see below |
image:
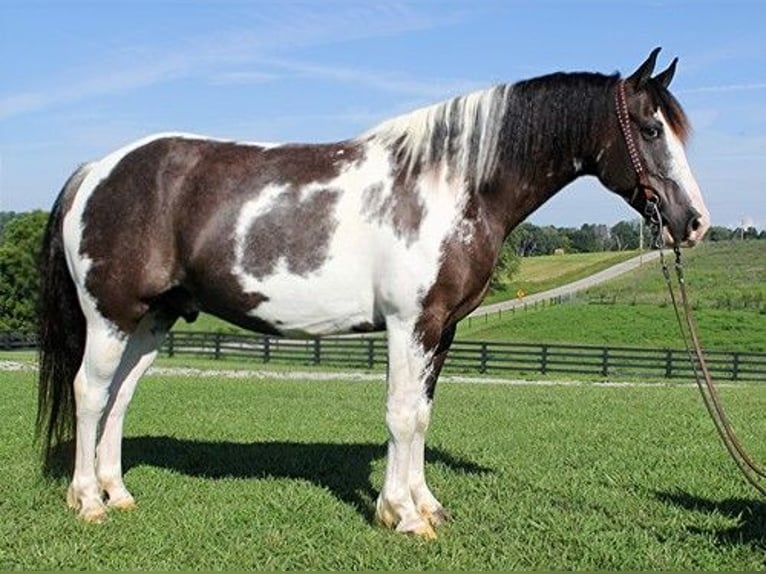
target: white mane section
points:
(463, 133)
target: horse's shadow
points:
(750, 514)
(343, 469)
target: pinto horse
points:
(396, 229)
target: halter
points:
(651, 209)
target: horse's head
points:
(646, 162)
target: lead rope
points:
(710, 397)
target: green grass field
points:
(244, 474)
(726, 283)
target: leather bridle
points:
(651, 196)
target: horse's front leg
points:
(405, 502)
(426, 503)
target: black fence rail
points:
(17, 341)
(464, 356)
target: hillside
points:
(544, 272)
(726, 282)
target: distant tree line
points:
(529, 239)
(21, 237)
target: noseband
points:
(651, 207)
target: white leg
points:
(104, 348)
(406, 400)
(425, 502)
(139, 354)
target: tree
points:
(19, 279)
(508, 263)
(719, 233)
(626, 235)
(590, 237)
(5, 217)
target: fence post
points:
(266, 349)
(483, 360)
(544, 359)
(735, 367)
(316, 355)
(605, 361)
(217, 343)
(171, 343)
(668, 363)
(370, 353)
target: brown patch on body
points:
(294, 229)
(159, 228)
(402, 209)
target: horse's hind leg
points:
(140, 352)
(104, 348)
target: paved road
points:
(569, 288)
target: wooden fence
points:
(464, 356)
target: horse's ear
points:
(639, 78)
(665, 77)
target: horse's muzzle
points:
(687, 231)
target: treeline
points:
(529, 239)
(21, 237)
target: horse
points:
(396, 229)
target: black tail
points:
(61, 341)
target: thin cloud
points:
(292, 29)
(725, 88)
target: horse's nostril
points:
(695, 224)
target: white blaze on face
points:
(681, 174)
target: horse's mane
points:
(517, 122)
(465, 129)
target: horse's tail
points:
(60, 339)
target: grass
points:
(619, 325)
(728, 275)
(243, 474)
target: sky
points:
(79, 79)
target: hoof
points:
(435, 517)
(418, 527)
(126, 504)
(93, 514)
(384, 516)
(426, 532)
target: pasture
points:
(262, 472)
(727, 287)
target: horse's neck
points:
(543, 157)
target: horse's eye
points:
(651, 132)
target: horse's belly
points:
(295, 305)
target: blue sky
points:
(80, 79)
